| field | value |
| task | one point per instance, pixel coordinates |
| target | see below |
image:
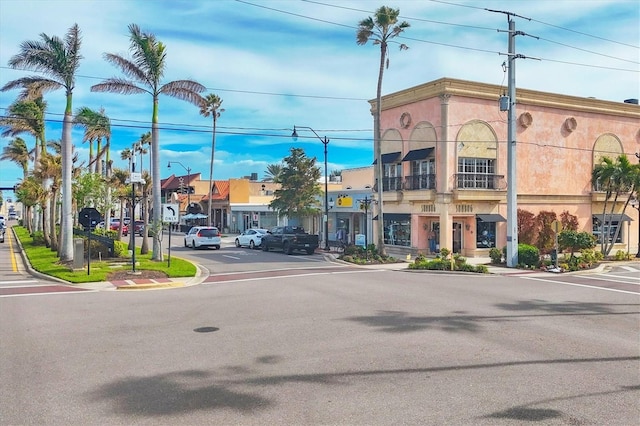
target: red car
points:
(115, 225)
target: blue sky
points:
(280, 63)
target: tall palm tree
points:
(49, 168)
(29, 193)
(17, 152)
(59, 59)
(26, 116)
(380, 29)
(96, 127)
(210, 105)
(145, 70)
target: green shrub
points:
(444, 253)
(482, 269)
(466, 267)
(120, 249)
(622, 255)
(496, 255)
(353, 249)
(528, 255)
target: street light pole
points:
(325, 142)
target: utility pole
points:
(512, 187)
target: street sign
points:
(170, 213)
(136, 177)
(556, 226)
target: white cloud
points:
(252, 56)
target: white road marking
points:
(289, 276)
(230, 257)
(18, 282)
(53, 293)
(581, 285)
(629, 268)
(613, 281)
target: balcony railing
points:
(479, 181)
(424, 181)
(389, 184)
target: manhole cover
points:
(206, 329)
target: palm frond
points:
(119, 85)
(128, 67)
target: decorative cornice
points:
(471, 89)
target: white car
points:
(251, 238)
(203, 236)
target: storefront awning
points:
(418, 154)
(491, 218)
(390, 157)
(613, 218)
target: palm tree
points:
(380, 29)
(59, 59)
(145, 71)
(617, 179)
(210, 105)
(49, 169)
(29, 193)
(118, 181)
(273, 171)
(26, 116)
(96, 126)
(17, 151)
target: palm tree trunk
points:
(213, 150)
(45, 223)
(379, 171)
(156, 186)
(66, 226)
(52, 220)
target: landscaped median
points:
(46, 261)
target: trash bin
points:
(554, 255)
(78, 253)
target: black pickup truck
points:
(288, 239)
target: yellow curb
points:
(150, 286)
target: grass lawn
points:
(45, 261)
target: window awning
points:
(491, 218)
(418, 154)
(387, 158)
(613, 218)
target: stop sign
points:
(89, 217)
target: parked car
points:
(203, 236)
(251, 238)
(138, 227)
(2, 230)
(115, 225)
(290, 238)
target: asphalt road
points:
(325, 346)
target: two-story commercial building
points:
(444, 154)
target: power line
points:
(545, 23)
(434, 42)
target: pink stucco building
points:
(444, 146)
